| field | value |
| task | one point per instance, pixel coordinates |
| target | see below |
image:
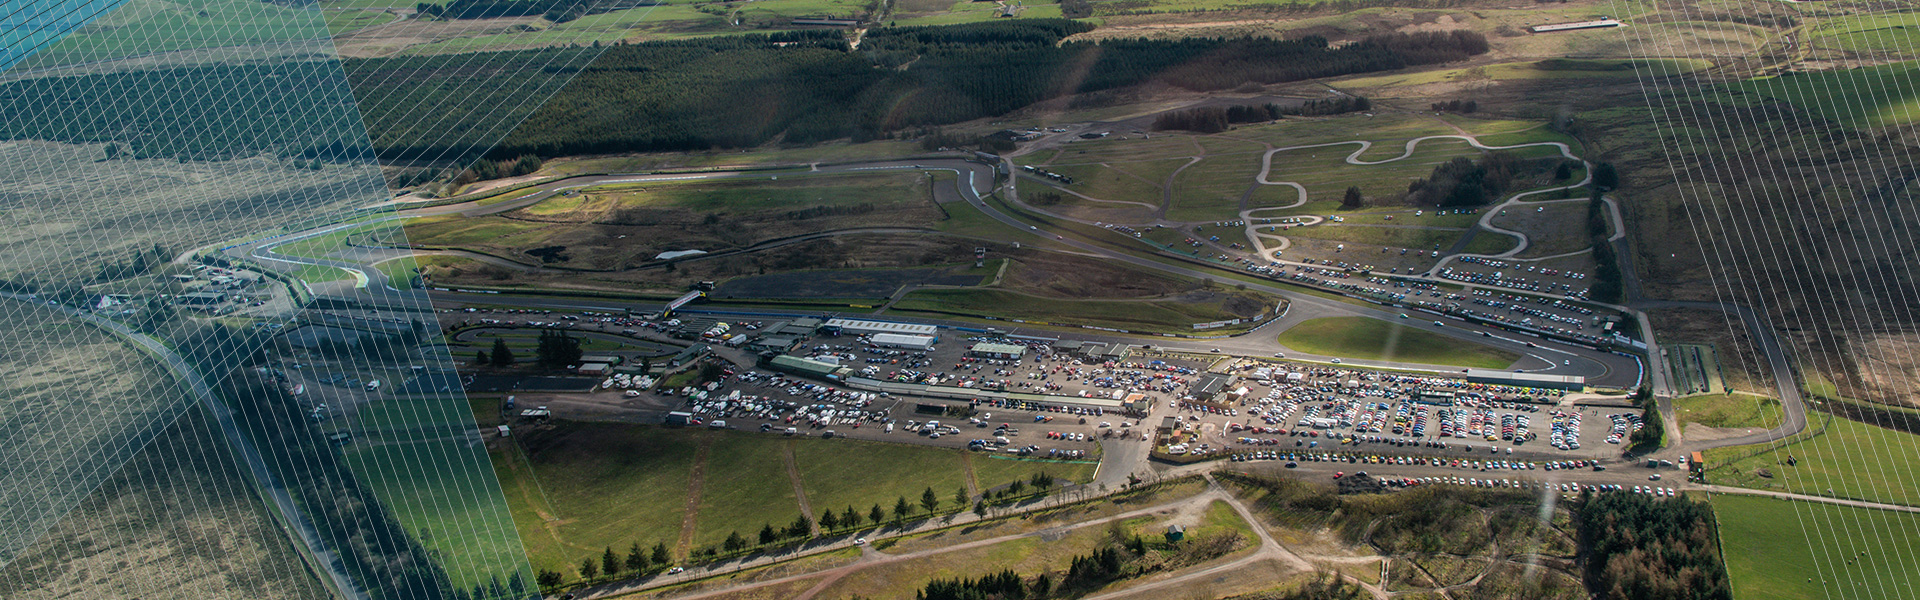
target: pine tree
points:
(901, 509)
(879, 515)
(660, 555)
(1353, 199)
(637, 559)
(610, 562)
(502, 357)
(589, 569)
(929, 500)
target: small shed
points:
(1176, 533)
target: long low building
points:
(997, 350)
(1537, 380)
(808, 367)
(903, 340)
(866, 327)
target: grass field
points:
(1326, 174)
(1392, 237)
(1784, 550)
(584, 486)
(343, 21)
(155, 26)
(746, 487)
(1852, 459)
(1210, 190)
(1553, 68)
(453, 507)
(1374, 339)
(1169, 315)
(744, 195)
(1125, 182)
(1894, 32)
(1729, 410)
(400, 272)
(831, 152)
(1876, 96)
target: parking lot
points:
(1311, 408)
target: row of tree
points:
(636, 562)
(1086, 572)
(1609, 283)
(1215, 119)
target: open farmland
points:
(1848, 460)
(1729, 410)
(581, 487)
(1879, 96)
(181, 515)
(615, 227)
(1785, 550)
(1359, 337)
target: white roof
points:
(865, 326)
(903, 339)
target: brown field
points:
(178, 521)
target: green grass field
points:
(1852, 459)
(1729, 410)
(745, 195)
(343, 21)
(400, 272)
(746, 487)
(154, 26)
(1374, 339)
(1126, 182)
(586, 486)
(1784, 550)
(1553, 68)
(1171, 315)
(1326, 174)
(1392, 237)
(1895, 32)
(1876, 96)
(452, 508)
(1210, 190)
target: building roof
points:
(998, 348)
(901, 338)
(1068, 345)
(1210, 383)
(862, 325)
(805, 366)
(1524, 379)
(777, 341)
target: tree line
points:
(1215, 119)
(1609, 283)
